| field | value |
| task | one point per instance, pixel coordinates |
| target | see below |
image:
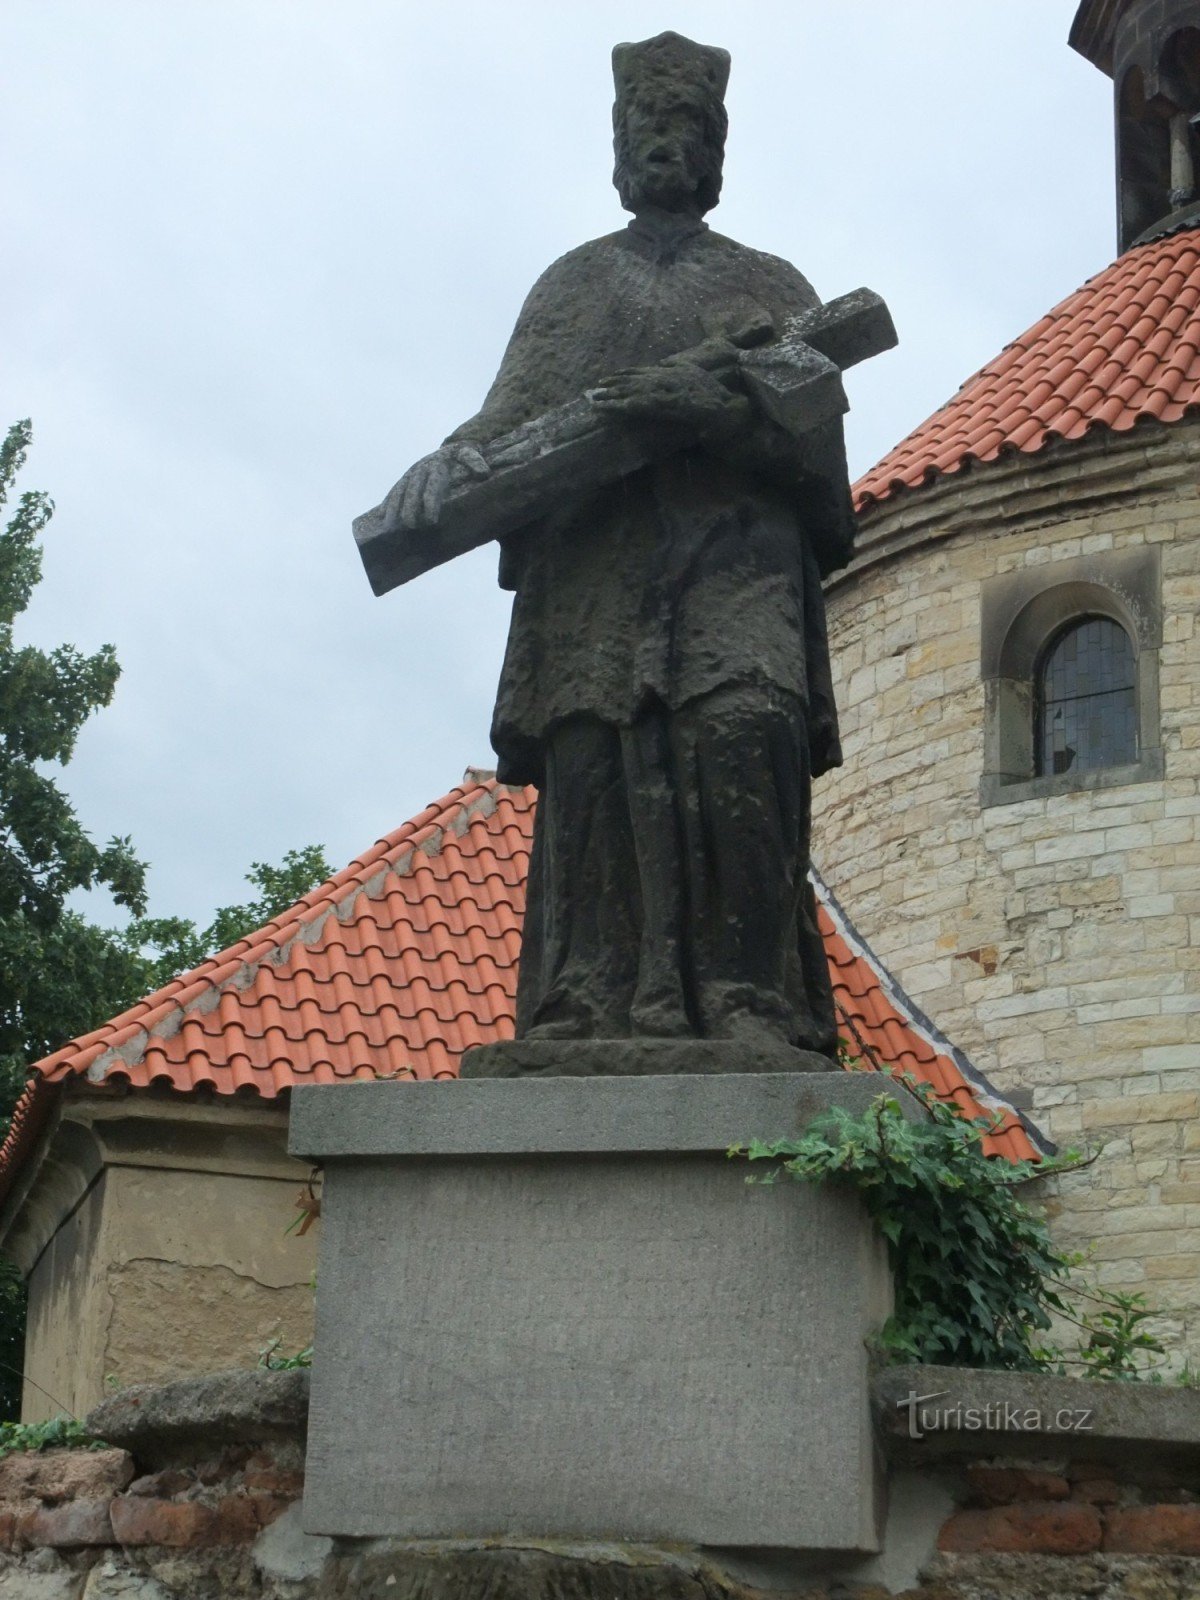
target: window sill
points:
(998, 790)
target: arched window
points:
(1087, 699)
(1069, 661)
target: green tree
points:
(56, 971)
(171, 945)
(58, 975)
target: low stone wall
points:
(199, 1500)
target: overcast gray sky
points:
(263, 254)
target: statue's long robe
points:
(680, 610)
(697, 573)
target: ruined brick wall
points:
(200, 1498)
(1057, 940)
(82, 1526)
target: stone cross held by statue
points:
(534, 469)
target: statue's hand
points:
(677, 394)
(416, 501)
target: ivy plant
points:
(273, 1358)
(978, 1278)
(57, 1433)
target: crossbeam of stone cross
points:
(795, 380)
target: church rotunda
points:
(1017, 822)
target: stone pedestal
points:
(635, 1058)
(551, 1308)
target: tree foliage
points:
(171, 945)
(56, 971)
(979, 1281)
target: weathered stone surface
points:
(1037, 1416)
(1001, 1486)
(162, 1299)
(1089, 899)
(283, 1552)
(50, 1477)
(572, 448)
(138, 1520)
(1047, 1577)
(163, 1485)
(31, 1578)
(528, 1574)
(159, 1424)
(216, 1469)
(387, 1571)
(667, 674)
(110, 1579)
(266, 1476)
(74, 1524)
(234, 1519)
(1100, 1491)
(634, 1335)
(241, 1517)
(562, 1114)
(531, 1058)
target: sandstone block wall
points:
(1056, 940)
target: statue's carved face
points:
(669, 139)
(666, 150)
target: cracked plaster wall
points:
(161, 1273)
(64, 1340)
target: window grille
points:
(1087, 699)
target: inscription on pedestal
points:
(627, 1342)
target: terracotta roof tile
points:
(406, 959)
(1124, 347)
(886, 1030)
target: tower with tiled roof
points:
(1017, 823)
(1151, 51)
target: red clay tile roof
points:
(1124, 347)
(404, 960)
(887, 1032)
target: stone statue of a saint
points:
(667, 681)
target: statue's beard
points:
(669, 191)
(672, 186)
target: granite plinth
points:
(551, 1308)
(632, 1058)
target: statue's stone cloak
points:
(698, 573)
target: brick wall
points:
(80, 1526)
(1057, 940)
(1071, 1488)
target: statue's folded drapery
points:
(667, 682)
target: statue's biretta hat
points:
(669, 61)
